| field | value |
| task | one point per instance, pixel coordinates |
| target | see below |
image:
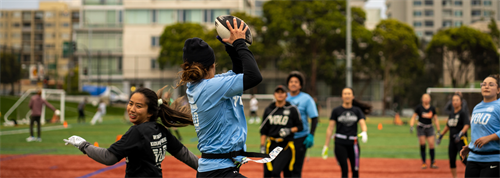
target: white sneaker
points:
(258, 121)
(30, 139)
(39, 139)
(251, 121)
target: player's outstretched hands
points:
(458, 136)
(324, 153)
(74, 140)
(364, 136)
(411, 129)
(285, 132)
(309, 141)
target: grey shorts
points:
(425, 131)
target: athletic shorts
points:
(253, 112)
(423, 131)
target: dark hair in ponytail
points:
(497, 78)
(365, 107)
(169, 117)
(192, 72)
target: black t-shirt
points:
(144, 146)
(457, 121)
(425, 115)
(347, 122)
(283, 117)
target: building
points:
(428, 16)
(372, 18)
(37, 36)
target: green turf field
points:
(390, 142)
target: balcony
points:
(102, 2)
(110, 26)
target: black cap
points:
(197, 50)
(280, 87)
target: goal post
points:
(441, 97)
(20, 112)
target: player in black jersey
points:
(346, 117)
(458, 124)
(426, 113)
(145, 144)
(281, 121)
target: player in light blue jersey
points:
(307, 108)
(215, 102)
(484, 149)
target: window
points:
(100, 17)
(458, 13)
(458, 23)
(65, 25)
(429, 2)
(458, 2)
(487, 13)
(16, 25)
(39, 26)
(26, 36)
(155, 41)
(137, 16)
(153, 16)
(446, 2)
(417, 13)
(417, 3)
(447, 13)
(75, 15)
(429, 13)
(47, 25)
(49, 14)
(218, 12)
(429, 33)
(447, 23)
(417, 24)
(475, 2)
(120, 16)
(65, 36)
(195, 16)
(487, 3)
(429, 23)
(49, 35)
(420, 34)
(167, 16)
(153, 64)
(475, 13)
(16, 35)
(26, 25)
(39, 15)
(16, 14)
(49, 46)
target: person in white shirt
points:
(254, 106)
(101, 110)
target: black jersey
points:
(457, 121)
(144, 146)
(280, 117)
(347, 123)
(425, 115)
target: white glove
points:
(324, 153)
(57, 112)
(75, 141)
(364, 137)
(285, 132)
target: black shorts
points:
(253, 112)
(425, 131)
(227, 172)
(482, 169)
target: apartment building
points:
(428, 16)
(37, 37)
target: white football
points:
(223, 30)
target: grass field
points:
(390, 142)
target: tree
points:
(494, 32)
(72, 78)
(10, 70)
(400, 62)
(310, 35)
(460, 48)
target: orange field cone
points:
(379, 126)
(65, 124)
(96, 144)
(118, 137)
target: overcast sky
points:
(33, 4)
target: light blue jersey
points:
(485, 121)
(307, 108)
(218, 118)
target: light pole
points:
(348, 46)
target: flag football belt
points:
(342, 136)
(233, 154)
(277, 140)
(420, 124)
(485, 152)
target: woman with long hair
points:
(483, 152)
(425, 131)
(347, 117)
(145, 144)
(457, 124)
(215, 102)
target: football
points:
(223, 30)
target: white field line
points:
(48, 128)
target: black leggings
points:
(453, 150)
(282, 162)
(482, 169)
(227, 172)
(300, 156)
(37, 120)
(344, 152)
